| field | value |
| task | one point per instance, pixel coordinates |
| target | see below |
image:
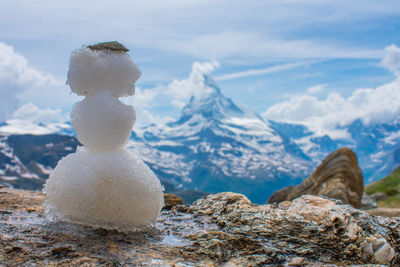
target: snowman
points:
(103, 184)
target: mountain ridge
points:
(217, 145)
(377, 145)
(222, 147)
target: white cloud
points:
(17, 76)
(30, 112)
(203, 29)
(143, 97)
(371, 105)
(308, 75)
(182, 90)
(316, 89)
(146, 117)
(16, 69)
(247, 46)
(256, 32)
(177, 103)
(142, 101)
(391, 59)
(268, 70)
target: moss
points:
(389, 185)
(390, 202)
(386, 185)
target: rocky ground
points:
(219, 229)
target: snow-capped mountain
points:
(377, 145)
(218, 146)
(26, 160)
(214, 146)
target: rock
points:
(171, 200)
(338, 177)
(281, 195)
(111, 46)
(224, 229)
(367, 202)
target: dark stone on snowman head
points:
(113, 46)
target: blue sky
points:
(262, 53)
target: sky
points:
(321, 63)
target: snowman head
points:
(105, 66)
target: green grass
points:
(389, 185)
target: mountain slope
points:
(214, 146)
(26, 160)
(377, 145)
(218, 146)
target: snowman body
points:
(103, 184)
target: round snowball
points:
(112, 190)
(91, 71)
(102, 122)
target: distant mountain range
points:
(377, 146)
(214, 146)
(26, 160)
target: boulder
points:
(224, 229)
(338, 177)
(368, 202)
(171, 200)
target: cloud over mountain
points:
(16, 75)
(34, 114)
(324, 115)
(371, 105)
(182, 90)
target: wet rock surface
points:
(368, 202)
(338, 176)
(219, 229)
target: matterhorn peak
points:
(210, 102)
(204, 85)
